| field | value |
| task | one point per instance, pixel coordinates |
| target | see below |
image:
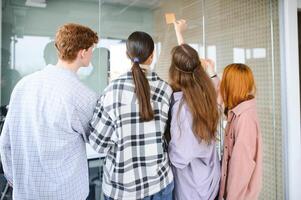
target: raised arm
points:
(180, 27)
(209, 67)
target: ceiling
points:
(134, 3)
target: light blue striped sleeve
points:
(5, 150)
(83, 112)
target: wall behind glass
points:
(27, 46)
(247, 32)
(225, 31)
(237, 31)
(27, 40)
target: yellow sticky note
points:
(170, 18)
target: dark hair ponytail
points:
(140, 47)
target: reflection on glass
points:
(239, 55)
(95, 75)
(9, 77)
(27, 46)
(29, 54)
(259, 53)
(211, 53)
(225, 31)
(120, 64)
(248, 53)
(50, 55)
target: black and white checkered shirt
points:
(136, 164)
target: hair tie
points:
(136, 60)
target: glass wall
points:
(225, 31)
(249, 33)
(237, 31)
(27, 34)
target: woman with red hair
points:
(242, 159)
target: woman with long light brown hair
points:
(194, 118)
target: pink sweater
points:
(242, 160)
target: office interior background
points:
(261, 33)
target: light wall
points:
(290, 79)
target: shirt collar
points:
(149, 74)
(177, 95)
(240, 108)
(62, 70)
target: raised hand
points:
(180, 27)
(209, 66)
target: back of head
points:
(70, 38)
(186, 74)
(140, 47)
(237, 85)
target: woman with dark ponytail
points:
(141, 52)
(128, 125)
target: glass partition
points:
(225, 31)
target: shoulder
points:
(159, 80)
(85, 94)
(119, 83)
(179, 108)
(115, 91)
(160, 87)
(247, 124)
(248, 116)
(74, 91)
(27, 81)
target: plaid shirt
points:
(136, 165)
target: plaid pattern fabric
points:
(136, 165)
(42, 144)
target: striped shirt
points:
(136, 164)
(42, 142)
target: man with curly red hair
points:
(42, 143)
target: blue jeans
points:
(164, 194)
